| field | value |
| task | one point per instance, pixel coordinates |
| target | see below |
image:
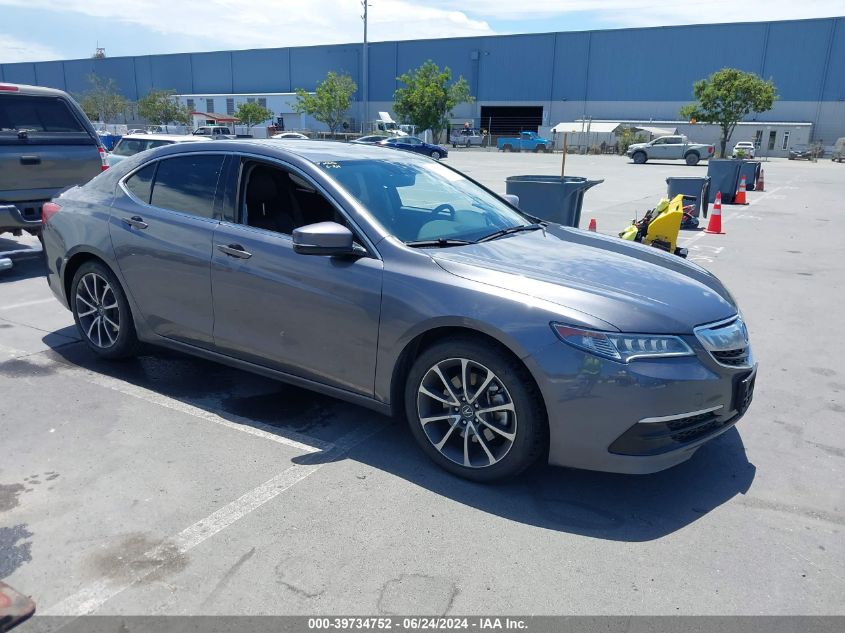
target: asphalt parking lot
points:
(170, 485)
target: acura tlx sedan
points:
(395, 282)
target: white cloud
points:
(13, 49)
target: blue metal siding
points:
(515, 68)
(211, 72)
(261, 70)
(805, 58)
(383, 71)
(662, 64)
(23, 73)
(310, 65)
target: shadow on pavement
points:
(599, 505)
(24, 267)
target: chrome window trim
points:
(679, 416)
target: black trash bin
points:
(551, 197)
(751, 170)
(691, 187)
(724, 178)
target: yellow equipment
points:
(660, 226)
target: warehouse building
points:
(519, 81)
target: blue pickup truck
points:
(525, 142)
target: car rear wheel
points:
(639, 157)
(435, 154)
(692, 158)
(475, 411)
(507, 147)
(101, 311)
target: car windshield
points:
(799, 147)
(424, 201)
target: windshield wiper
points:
(512, 229)
(440, 242)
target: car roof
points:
(32, 91)
(313, 151)
(162, 137)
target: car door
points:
(658, 148)
(311, 316)
(162, 227)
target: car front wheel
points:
(475, 411)
(435, 155)
(639, 157)
(101, 311)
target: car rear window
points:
(187, 184)
(37, 114)
(129, 147)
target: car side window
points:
(141, 182)
(275, 199)
(187, 184)
(660, 141)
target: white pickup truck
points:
(670, 148)
(214, 131)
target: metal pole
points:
(563, 159)
(366, 68)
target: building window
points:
(230, 106)
(758, 138)
(209, 105)
(262, 102)
(250, 99)
(772, 136)
(191, 105)
(785, 140)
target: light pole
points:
(365, 71)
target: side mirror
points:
(512, 199)
(323, 238)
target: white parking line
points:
(24, 304)
(90, 598)
(235, 422)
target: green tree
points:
(103, 101)
(330, 101)
(726, 97)
(252, 114)
(427, 98)
(160, 108)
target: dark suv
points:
(47, 144)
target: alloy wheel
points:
(466, 413)
(97, 310)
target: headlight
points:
(622, 347)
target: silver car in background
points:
(395, 282)
(132, 144)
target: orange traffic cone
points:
(715, 224)
(760, 186)
(592, 226)
(740, 195)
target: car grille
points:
(690, 429)
(732, 357)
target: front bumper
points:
(640, 417)
(21, 215)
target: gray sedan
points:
(395, 282)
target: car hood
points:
(633, 287)
(637, 146)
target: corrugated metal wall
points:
(806, 59)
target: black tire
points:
(507, 147)
(125, 341)
(454, 145)
(539, 148)
(530, 437)
(639, 157)
(692, 158)
(435, 154)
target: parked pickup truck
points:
(47, 145)
(526, 141)
(670, 148)
(214, 131)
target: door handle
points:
(30, 160)
(234, 250)
(135, 221)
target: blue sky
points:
(139, 27)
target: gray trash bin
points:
(551, 197)
(691, 187)
(751, 170)
(724, 178)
